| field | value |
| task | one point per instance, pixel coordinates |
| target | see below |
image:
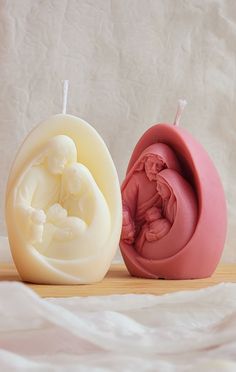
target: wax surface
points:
(63, 204)
(174, 209)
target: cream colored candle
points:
(63, 204)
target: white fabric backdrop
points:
(128, 62)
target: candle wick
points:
(65, 95)
(181, 105)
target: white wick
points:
(181, 105)
(65, 95)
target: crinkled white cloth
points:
(177, 332)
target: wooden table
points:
(118, 281)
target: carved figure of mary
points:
(81, 219)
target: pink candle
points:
(174, 209)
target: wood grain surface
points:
(118, 281)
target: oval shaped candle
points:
(63, 204)
(174, 209)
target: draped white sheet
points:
(177, 332)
